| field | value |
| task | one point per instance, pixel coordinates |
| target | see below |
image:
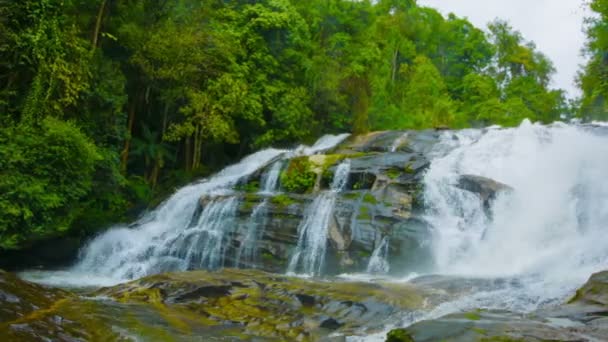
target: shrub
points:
(298, 177)
(46, 170)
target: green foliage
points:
(282, 200)
(253, 186)
(164, 92)
(364, 214)
(369, 198)
(593, 79)
(298, 177)
(47, 170)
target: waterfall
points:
(378, 263)
(549, 233)
(248, 250)
(270, 180)
(309, 256)
(179, 234)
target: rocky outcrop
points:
(382, 198)
(30, 312)
(249, 303)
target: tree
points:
(593, 79)
(427, 97)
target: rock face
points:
(382, 198)
(248, 303)
(487, 189)
(30, 312)
(583, 318)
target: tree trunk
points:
(188, 153)
(124, 155)
(394, 66)
(98, 21)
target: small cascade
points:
(202, 245)
(270, 180)
(254, 229)
(398, 142)
(309, 256)
(378, 263)
(248, 251)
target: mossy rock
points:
(30, 312)
(268, 305)
(399, 335)
(594, 292)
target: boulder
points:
(487, 189)
(267, 305)
(30, 312)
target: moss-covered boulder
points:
(30, 312)
(268, 305)
(594, 292)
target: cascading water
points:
(541, 241)
(548, 234)
(270, 180)
(248, 250)
(177, 235)
(378, 263)
(309, 256)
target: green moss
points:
(501, 339)
(251, 187)
(350, 195)
(364, 254)
(409, 169)
(472, 316)
(399, 335)
(393, 173)
(267, 256)
(364, 214)
(299, 176)
(282, 200)
(480, 331)
(369, 198)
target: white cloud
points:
(555, 26)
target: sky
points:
(555, 26)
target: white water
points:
(378, 262)
(309, 256)
(549, 233)
(171, 237)
(248, 250)
(270, 180)
(545, 238)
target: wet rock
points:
(30, 312)
(595, 291)
(275, 306)
(486, 188)
(583, 318)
